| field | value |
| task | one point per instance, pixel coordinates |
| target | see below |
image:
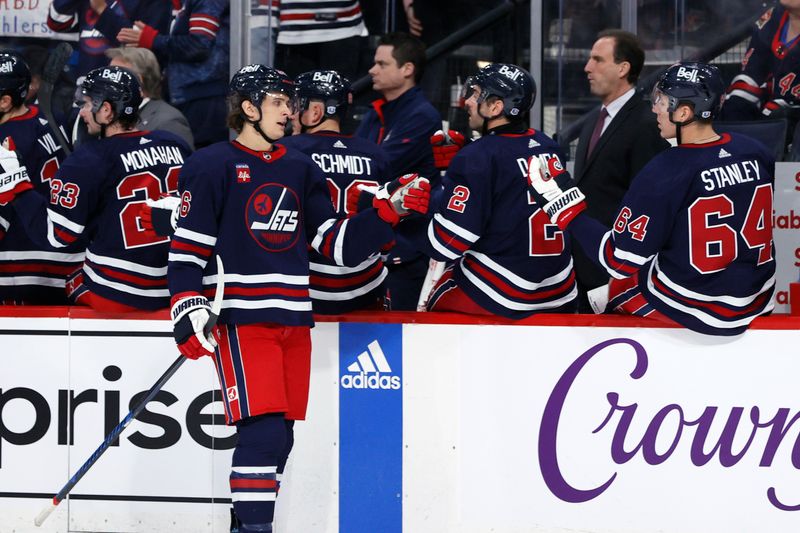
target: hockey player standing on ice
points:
(29, 273)
(692, 242)
(98, 195)
(258, 206)
(507, 258)
(347, 162)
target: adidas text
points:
(370, 381)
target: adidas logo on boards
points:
(370, 370)
(723, 153)
(533, 144)
(339, 144)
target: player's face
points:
(276, 108)
(661, 109)
(602, 72)
(471, 106)
(89, 118)
(386, 74)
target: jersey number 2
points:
(133, 234)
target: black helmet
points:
(696, 84)
(512, 84)
(116, 85)
(326, 85)
(253, 82)
(15, 77)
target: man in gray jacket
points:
(155, 113)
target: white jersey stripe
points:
(231, 277)
(348, 295)
(124, 287)
(454, 228)
(195, 236)
(515, 279)
(518, 306)
(32, 280)
(320, 236)
(436, 243)
(338, 247)
(341, 270)
(125, 265)
(34, 255)
(254, 469)
(183, 258)
(270, 303)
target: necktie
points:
(598, 129)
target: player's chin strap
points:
(485, 127)
(679, 125)
(257, 126)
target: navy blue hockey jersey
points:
(98, 194)
(696, 225)
(346, 162)
(259, 211)
(768, 81)
(511, 260)
(31, 273)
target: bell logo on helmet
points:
(510, 72)
(249, 68)
(689, 74)
(323, 76)
(111, 74)
(6, 67)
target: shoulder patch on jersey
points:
(764, 18)
(144, 140)
(533, 144)
(723, 153)
(242, 173)
(339, 144)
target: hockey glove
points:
(161, 216)
(190, 313)
(445, 146)
(410, 193)
(13, 174)
(554, 190)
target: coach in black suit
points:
(615, 143)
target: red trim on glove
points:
(568, 214)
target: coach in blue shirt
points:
(402, 123)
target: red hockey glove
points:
(554, 190)
(13, 174)
(402, 196)
(445, 146)
(190, 314)
(161, 216)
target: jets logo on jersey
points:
(273, 216)
(371, 370)
(242, 173)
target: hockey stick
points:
(435, 271)
(117, 431)
(52, 70)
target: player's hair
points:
(626, 48)
(144, 64)
(235, 118)
(406, 49)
